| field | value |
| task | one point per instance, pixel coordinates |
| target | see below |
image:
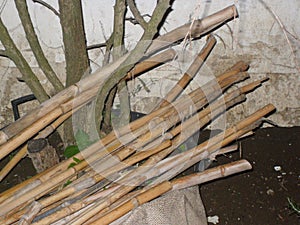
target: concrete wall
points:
(258, 36)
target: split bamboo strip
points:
(180, 183)
(191, 72)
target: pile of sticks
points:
(131, 165)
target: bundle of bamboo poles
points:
(131, 165)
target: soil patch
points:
(259, 196)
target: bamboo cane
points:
(107, 174)
(195, 29)
(23, 151)
(245, 122)
(180, 183)
(73, 90)
(190, 73)
(199, 27)
(11, 145)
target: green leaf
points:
(71, 151)
(77, 160)
(67, 183)
(72, 165)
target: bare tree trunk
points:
(76, 56)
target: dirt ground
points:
(257, 197)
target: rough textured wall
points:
(257, 36)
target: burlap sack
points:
(180, 207)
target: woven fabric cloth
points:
(180, 207)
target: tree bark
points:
(13, 53)
(35, 46)
(135, 56)
(76, 56)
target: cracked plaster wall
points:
(256, 37)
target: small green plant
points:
(295, 207)
(83, 140)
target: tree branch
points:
(36, 47)
(3, 53)
(91, 47)
(16, 56)
(139, 18)
(47, 6)
(117, 41)
(136, 55)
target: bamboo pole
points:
(195, 29)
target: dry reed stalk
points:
(191, 72)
